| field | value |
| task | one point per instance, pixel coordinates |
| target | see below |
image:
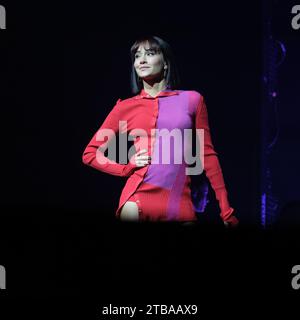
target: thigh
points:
(129, 211)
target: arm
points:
(212, 166)
(93, 154)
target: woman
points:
(156, 190)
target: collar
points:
(163, 93)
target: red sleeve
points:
(93, 154)
(212, 166)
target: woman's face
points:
(148, 64)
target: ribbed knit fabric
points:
(162, 191)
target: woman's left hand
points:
(231, 224)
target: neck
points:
(154, 88)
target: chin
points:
(145, 75)
(149, 77)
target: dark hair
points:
(158, 45)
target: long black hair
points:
(158, 45)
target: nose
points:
(143, 59)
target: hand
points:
(141, 159)
(233, 223)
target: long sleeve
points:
(93, 154)
(212, 166)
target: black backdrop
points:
(66, 65)
(67, 73)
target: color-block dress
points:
(161, 189)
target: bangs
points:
(153, 45)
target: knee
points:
(129, 212)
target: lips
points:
(142, 68)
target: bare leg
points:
(130, 211)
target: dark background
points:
(63, 68)
(285, 155)
(70, 71)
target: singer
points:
(158, 191)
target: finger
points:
(138, 163)
(143, 162)
(144, 157)
(141, 151)
(141, 158)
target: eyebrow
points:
(150, 49)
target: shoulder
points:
(118, 105)
(194, 94)
(191, 92)
(124, 101)
(195, 99)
